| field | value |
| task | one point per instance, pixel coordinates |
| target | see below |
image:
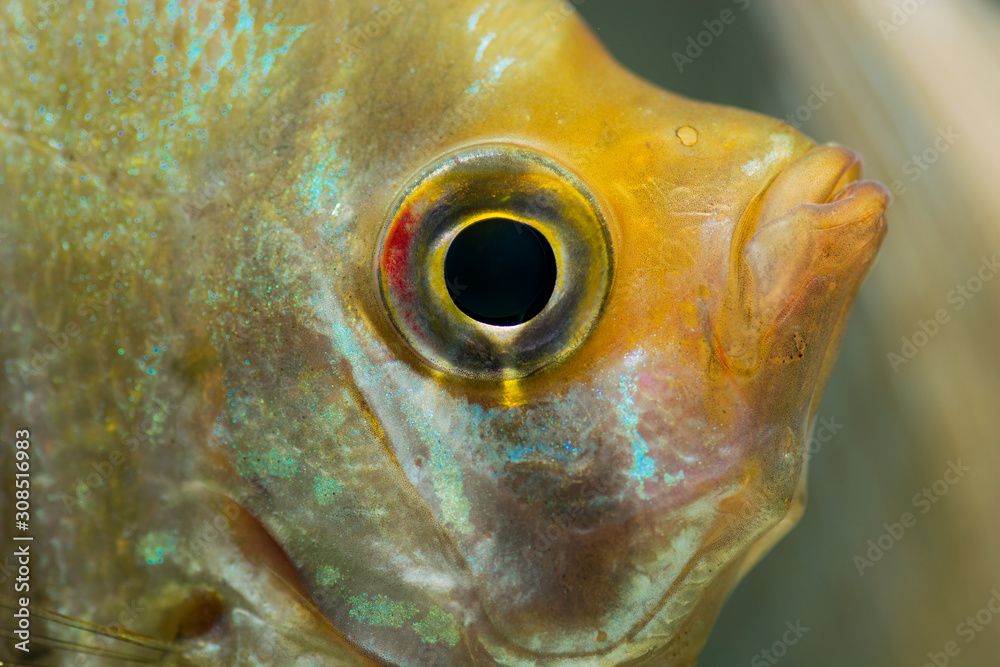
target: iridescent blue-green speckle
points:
(327, 490)
(280, 463)
(154, 546)
(436, 627)
(380, 611)
(446, 475)
(643, 466)
(328, 575)
(672, 480)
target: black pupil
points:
(500, 271)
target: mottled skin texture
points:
(208, 248)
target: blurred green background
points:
(739, 68)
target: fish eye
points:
(494, 262)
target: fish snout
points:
(798, 257)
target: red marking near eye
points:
(398, 270)
(396, 256)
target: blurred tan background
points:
(910, 458)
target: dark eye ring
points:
(494, 262)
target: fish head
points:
(599, 320)
(581, 325)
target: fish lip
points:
(823, 175)
(825, 185)
(813, 226)
(814, 176)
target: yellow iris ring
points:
(475, 184)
